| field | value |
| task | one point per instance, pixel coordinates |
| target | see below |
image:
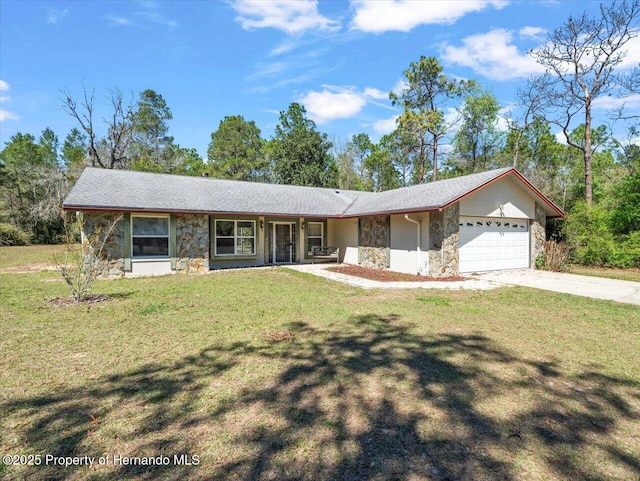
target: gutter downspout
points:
(418, 228)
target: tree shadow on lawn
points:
(377, 402)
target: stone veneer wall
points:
(538, 234)
(373, 242)
(444, 241)
(192, 243)
(113, 252)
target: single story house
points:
(493, 220)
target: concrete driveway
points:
(587, 286)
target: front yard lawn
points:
(274, 374)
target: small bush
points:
(555, 257)
(81, 266)
(10, 235)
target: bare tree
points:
(112, 150)
(531, 99)
(581, 59)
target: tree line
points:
(447, 127)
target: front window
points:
(315, 231)
(150, 236)
(235, 237)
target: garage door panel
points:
(493, 244)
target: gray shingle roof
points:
(143, 191)
(432, 195)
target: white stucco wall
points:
(343, 233)
(149, 267)
(504, 192)
(404, 256)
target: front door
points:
(283, 242)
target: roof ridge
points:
(217, 179)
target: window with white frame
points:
(315, 235)
(235, 237)
(150, 236)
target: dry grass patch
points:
(279, 336)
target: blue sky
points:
(211, 59)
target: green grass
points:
(27, 255)
(275, 374)
(622, 274)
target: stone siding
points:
(192, 243)
(98, 223)
(444, 241)
(538, 234)
(374, 242)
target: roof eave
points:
(391, 212)
(90, 208)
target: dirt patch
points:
(389, 276)
(70, 301)
(280, 336)
(28, 269)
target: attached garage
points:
(493, 243)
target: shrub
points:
(81, 266)
(626, 252)
(625, 212)
(590, 236)
(555, 257)
(10, 235)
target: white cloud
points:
(147, 12)
(532, 32)
(504, 115)
(290, 16)
(375, 94)
(151, 14)
(5, 114)
(264, 88)
(560, 137)
(630, 102)
(400, 86)
(493, 55)
(119, 20)
(452, 118)
(335, 102)
(56, 16)
(268, 70)
(404, 15)
(386, 126)
(632, 59)
(284, 47)
(328, 105)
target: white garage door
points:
(493, 243)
